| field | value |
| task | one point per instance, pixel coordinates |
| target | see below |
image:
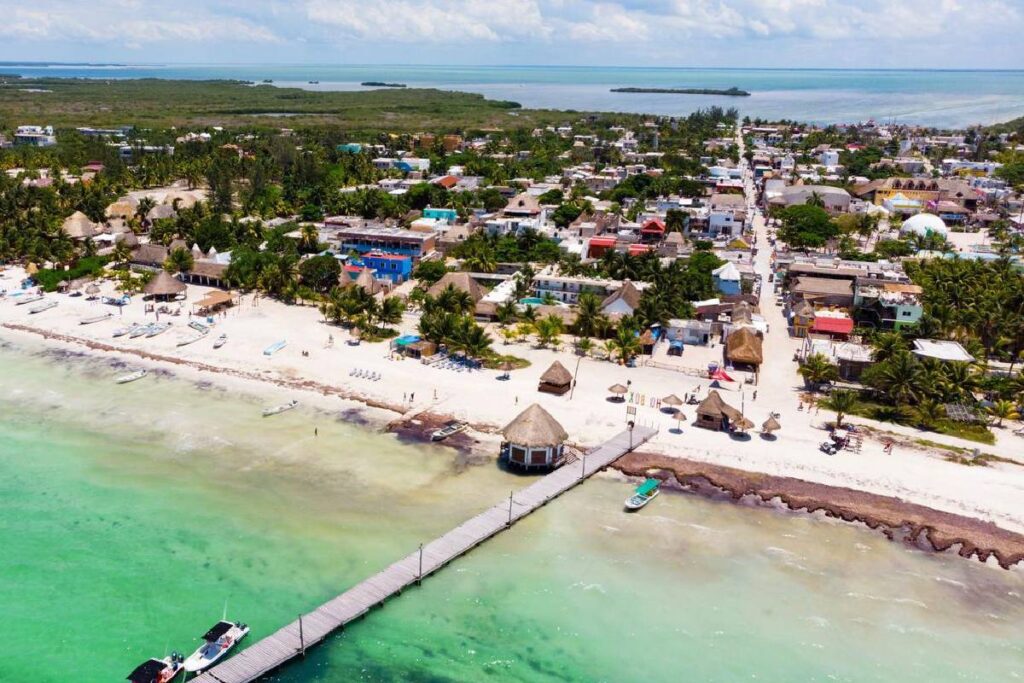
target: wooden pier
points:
(295, 638)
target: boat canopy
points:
(648, 487)
(219, 629)
(147, 672)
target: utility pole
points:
(302, 638)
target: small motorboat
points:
(158, 670)
(221, 341)
(450, 429)
(30, 299)
(45, 306)
(138, 374)
(277, 410)
(157, 328)
(96, 318)
(139, 330)
(190, 340)
(644, 494)
(218, 640)
(274, 348)
(199, 327)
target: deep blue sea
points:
(933, 98)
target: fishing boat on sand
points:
(96, 318)
(158, 670)
(274, 348)
(139, 330)
(449, 429)
(190, 340)
(276, 410)
(45, 306)
(30, 299)
(138, 374)
(223, 636)
(157, 328)
(199, 327)
(221, 341)
(644, 494)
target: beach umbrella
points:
(672, 400)
(93, 289)
(770, 425)
(31, 269)
(617, 389)
(742, 424)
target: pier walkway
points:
(298, 636)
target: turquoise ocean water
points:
(934, 98)
(130, 517)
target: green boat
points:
(643, 495)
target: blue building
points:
(394, 267)
(727, 279)
(447, 215)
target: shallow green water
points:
(130, 515)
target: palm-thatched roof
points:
(164, 284)
(557, 374)
(461, 281)
(713, 406)
(672, 400)
(744, 346)
(617, 389)
(742, 313)
(770, 425)
(78, 226)
(534, 427)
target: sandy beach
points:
(410, 395)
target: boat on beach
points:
(199, 327)
(157, 328)
(221, 341)
(223, 636)
(139, 330)
(274, 348)
(96, 318)
(45, 306)
(644, 494)
(30, 299)
(138, 374)
(158, 670)
(450, 429)
(190, 340)
(276, 410)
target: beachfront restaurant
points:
(534, 440)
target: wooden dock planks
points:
(284, 644)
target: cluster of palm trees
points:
(353, 306)
(447, 319)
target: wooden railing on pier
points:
(298, 636)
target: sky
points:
(680, 33)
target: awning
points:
(214, 299)
(219, 629)
(720, 374)
(147, 672)
(647, 487)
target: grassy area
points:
(157, 103)
(885, 413)
(48, 279)
(495, 361)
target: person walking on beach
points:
(316, 431)
(412, 397)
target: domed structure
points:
(924, 224)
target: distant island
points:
(731, 92)
(381, 84)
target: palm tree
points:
(146, 204)
(842, 402)
(886, 345)
(588, 308)
(454, 300)
(815, 199)
(179, 261)
(584, 345)
(391, 310)
(929, 413)
(626, 344)
(506, 312)
(310, 238)
(817, 370)
(1003, 410)
(122, 253)
(548, 329)
(481, 259)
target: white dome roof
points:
(924, 224)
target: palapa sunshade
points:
(507, 366)
(62, 284)
(672, 400)
(92, 289)
(31, 269)
(534, 427)
(743, 346)
(557, 374)
(164, 284)
(770, 425)
(617, 389)
(714, 407)
(742, 424)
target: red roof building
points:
(599, 245)
(832, 326)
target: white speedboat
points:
(449, 429)
(139, 330)
(158, 670)
(644, 494)
(157, 328)
(29, 299)
(217, 641)
(276, 410)
(199, 327)
(96, 318)
(221, 341)
(274, 348)
(138, 374)
(45, 306)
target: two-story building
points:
(394, 267)
(363, 239)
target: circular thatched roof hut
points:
(534, 439)
(164, 286)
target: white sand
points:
(994, 493)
